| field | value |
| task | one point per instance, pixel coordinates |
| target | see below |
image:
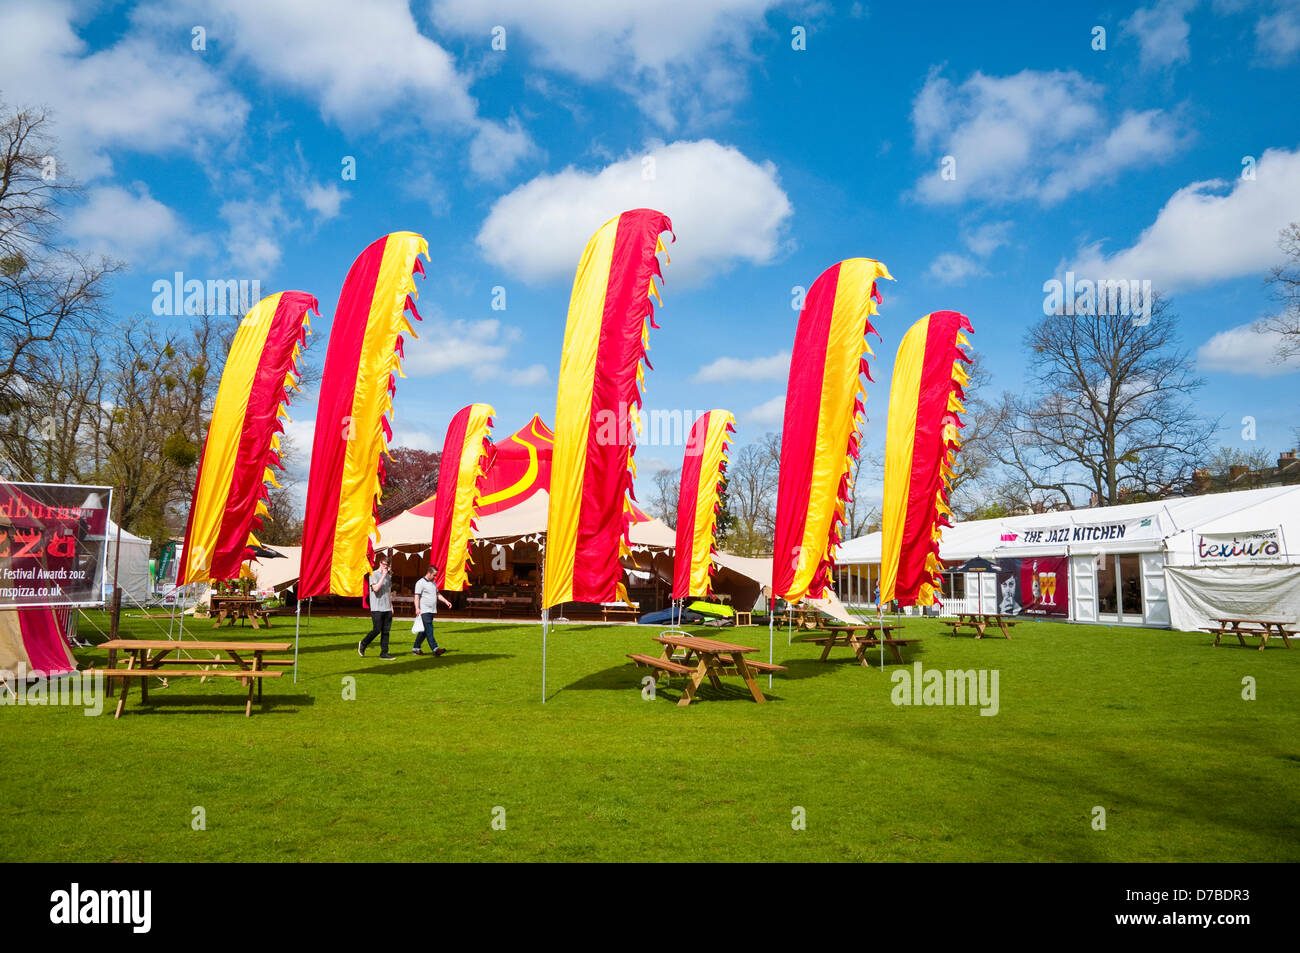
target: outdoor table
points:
(712, 659)
(979, 621)
(146, 657)
(1258, 627)
(860, 637)
(239, 607)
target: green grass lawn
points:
(1150, 725)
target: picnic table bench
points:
(485, 604)
(979, 622)
(1260, 628)
(619, 612)
(239, 608)
(712, 659)
(851, 636)
(146, 658)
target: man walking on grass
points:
(381, 609)
(427, 598)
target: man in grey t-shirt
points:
(427, 598)
(380, 583)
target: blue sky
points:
(774, 163)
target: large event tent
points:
(1164, 562)
(512, 522)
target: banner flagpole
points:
(546, 613)
(297, 623)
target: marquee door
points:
(1083, 588)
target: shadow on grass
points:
(628, 677)
(425, 663)
(199, 704)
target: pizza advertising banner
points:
(53, 544)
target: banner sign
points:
(1263, 547)
(1034, 587)
(1081, 533)
(53, 543)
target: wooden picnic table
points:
(1261, 628)
(852, 636)
(980, 621)
(712, 659)
(146, 658)
(239, 607)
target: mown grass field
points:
(1150, 725)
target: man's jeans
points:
(380, 624)
(427, 619)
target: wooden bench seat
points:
(665, 665)
(764, 666)
(177, 673)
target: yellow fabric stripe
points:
(360, 481)
(835, 420)
(573, 411)
(705, 500)
(224, 432)
(464, 508)
(900, 441)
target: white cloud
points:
(985, 239)
(1277, 34)
(480, 348)
(134, 94)
(324, 200)
(253, 230)
(1210, 231)
(414, 439)
(498, 148)
(726, 369)
(725, 208)
(1033, 135)
(1161, 31)
(769, 413)
(953, 269)
(127, 224)
(1246, 349)
(534, 375)
(675, 58)
(474, 346)
(363, 64)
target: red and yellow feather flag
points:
(461, 475)
(704, 470)
(819, 440)
(599, 394)
(356, 392)
(243, 440)
(921, 444)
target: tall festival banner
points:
(824, 407)
(597, 413)
(242, 448)
(353, 428)
(461, 476)
(704, 472)
(921, 445)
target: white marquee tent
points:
(1173, 560)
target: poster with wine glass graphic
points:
(1034, 586)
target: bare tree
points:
(1107, 411)
(751, 495)
(667, 493)
(1285, 281)
(51, 299)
